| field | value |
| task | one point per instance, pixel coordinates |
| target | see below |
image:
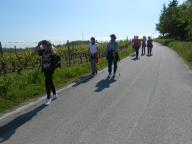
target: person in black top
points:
(143, 45)
(47, 51)
(112, 54)
(149, 46)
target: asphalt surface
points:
(149, 103)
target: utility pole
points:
(69, 53)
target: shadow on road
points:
(135, 59)
(149, 55)
(105, 83)
(9, 129)
(83, 80)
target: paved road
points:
(150, 103)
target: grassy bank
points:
(16, 90)
(184, 49)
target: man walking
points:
(149, 46)
(136, 44)
(112, 54)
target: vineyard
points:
(71, 53)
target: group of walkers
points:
(50, 59)
(137, 43)
(112, 55)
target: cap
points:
(113, 36)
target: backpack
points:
(136, 43)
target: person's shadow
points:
(83, 80)
(135, 59)
(105, 83)
(9, 129)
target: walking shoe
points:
(113, 76)
(55, 96)
(47, 102)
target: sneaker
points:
(47, 102)
(55, 96)
(114, 74)
(109, 75)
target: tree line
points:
(176, 20)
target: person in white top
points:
(93, 55)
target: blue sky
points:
(60, 20)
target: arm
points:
(97, 48)
(88, 50)
(117, 47)
(38, 50)
(107, 47)
(53, 50)
(98, 52)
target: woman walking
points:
(149, 46)
(46, 50)
(93, 55)
(143, 45)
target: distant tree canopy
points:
(176, 20)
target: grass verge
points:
(184, 49)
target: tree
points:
(188, 3)
(176, 20)
(161, 26)
(173, 4)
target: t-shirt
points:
(113, 46)
(93, 48)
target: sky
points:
(25, 22)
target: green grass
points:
(164, 41)
(184, 49)
(16, 90)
